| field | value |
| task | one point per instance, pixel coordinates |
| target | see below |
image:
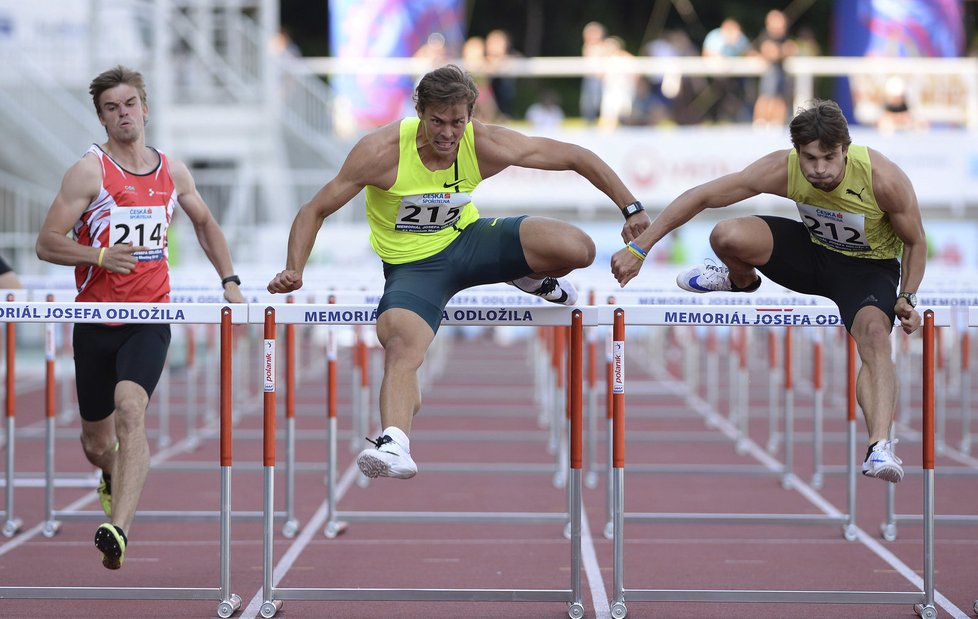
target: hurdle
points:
(228, 603)
(734, 426)
(923, 601)
(274, 597)
(888, 529)
(545, 354)
(11, 523)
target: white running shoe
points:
(386, 459)
(555, 290)
(711, 277)
(883, 463)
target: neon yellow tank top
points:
(847, 219)
(423, 211)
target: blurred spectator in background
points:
(545, 112)
(771, 106)
(728, 41)
(283, 46)
(591, 83)
(896, 115)
(498, 50)
(618, 88)
(806, 44)
(433, 50)
(8, 277)
(666, 98)
(474, 59)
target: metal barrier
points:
(273, 597)
(50, 312)
(923, 601)
(888, 528)
(735, 426)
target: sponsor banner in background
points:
(658, 165)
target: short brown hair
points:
(446, 85)
(820, 120)
(112, 78)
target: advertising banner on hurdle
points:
(486, 315)
(171, 313)
(740, 315)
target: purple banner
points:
(386, 29)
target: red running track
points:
(481, 409)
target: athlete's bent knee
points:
(724, 238)
(584, 250)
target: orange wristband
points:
(101, 254)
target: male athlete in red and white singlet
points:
(130, 208)
(116, 202)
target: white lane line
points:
(595, 581)
(820, 502)
(313, 527)
(88, 498)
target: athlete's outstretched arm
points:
(896, 196)
(769, 174)
(365, 164)
(498, 148)
(209, 233)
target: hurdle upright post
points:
(575, 396)
(927, 609)
(818, 385)
(965, 446)
(12, 524)
(850, 530)
(618, 608)
(230, 602)
(333, 526)
(269, 606)
(291, 526)
(51, 526)
(591, 478)
(787, 472)
(610, 434)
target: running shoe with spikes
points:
(386, 459)
(553, 289)
(111, 542)
(711, 277)
(882, 463)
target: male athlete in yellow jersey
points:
(859, 215)
(419, 174)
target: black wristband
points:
(230, 278)
(631, 209)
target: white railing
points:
(24, 208)
(944, 89)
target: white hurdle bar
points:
(923, 601)
(48, 312)
(576, 318)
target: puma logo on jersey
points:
(858, 195)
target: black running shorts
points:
(487, 251)
(852, 283)
(106, 355)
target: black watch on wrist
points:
(229, 279)
(631, 209)
(910, 297)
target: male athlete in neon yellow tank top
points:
(859, 215)
(418, 174)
